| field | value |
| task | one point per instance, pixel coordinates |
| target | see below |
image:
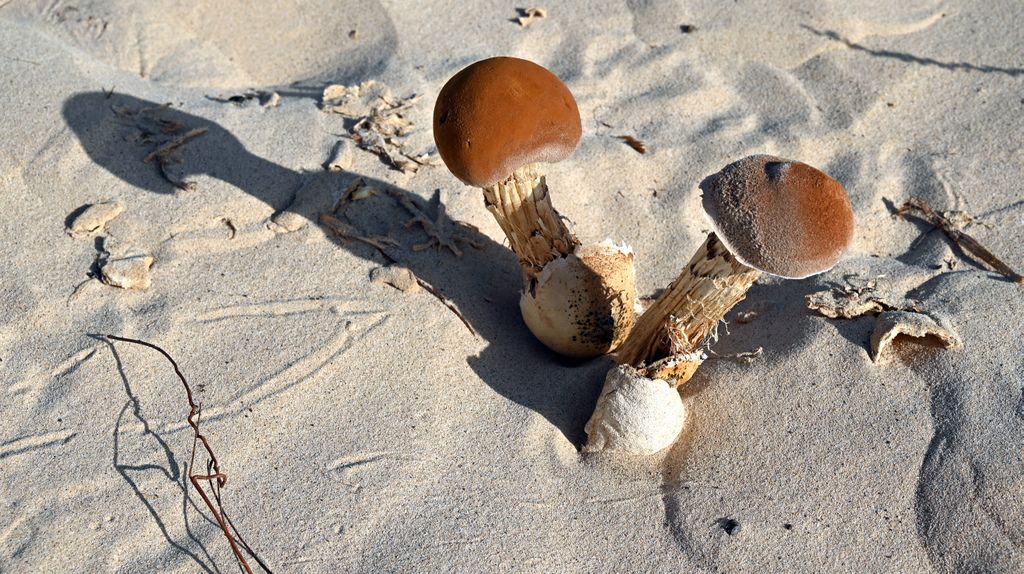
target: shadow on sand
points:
(119, 131)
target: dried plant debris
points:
(527, 16)
(380, 124)
(128, 271)
(892, 324)
(634, 143)
(851, 301)
(741, 358)
(399, 277)
(265, 99)
(345, 230)
(166, 135)
(952, 224)
(442, 231)
(90, 220)
(341, 156)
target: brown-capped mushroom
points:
(769, 215)
(495, 123)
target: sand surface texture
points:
(164, 175)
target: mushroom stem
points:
(689, 310)
(522, 206)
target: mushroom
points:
(769, 215)
(495, 123)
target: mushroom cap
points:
(779, 216)
(499, 114)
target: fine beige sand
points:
(365, 428)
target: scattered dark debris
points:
(687, 28)
(787, 526)
(634, 143)
(729, 525)
(952, 224)
(231, 226)
(266, 99)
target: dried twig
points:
(447, 303)
(164, 156)
(639, 146)
(214, 475)
(346, 231)
(920, 208)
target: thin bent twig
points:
(214, 475)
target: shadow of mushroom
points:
(483, 283)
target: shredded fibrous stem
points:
(687, 313)
(522, 206)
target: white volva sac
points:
(634, 414)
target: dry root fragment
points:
(442, 231)
(128, 271)
(634, 414)
(346, 231)
(891, 324)
(93, 219)
(399, 277)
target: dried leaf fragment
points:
(92, 219)
(527, 16)
(850, 302)
(634, 143)
(892, 324)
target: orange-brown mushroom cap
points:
(499, 114)
(779, 216)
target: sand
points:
(365, 428)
